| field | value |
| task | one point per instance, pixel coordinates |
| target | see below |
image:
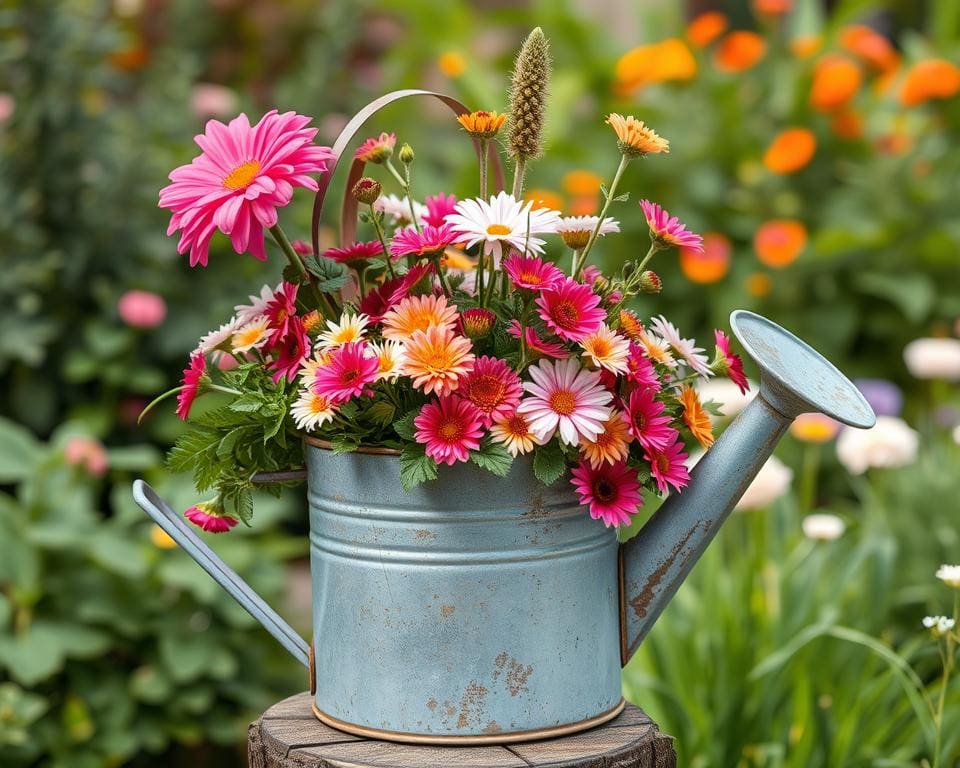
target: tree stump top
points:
(288, 735)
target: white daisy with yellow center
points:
(606, 349)
(576, 230)
(349, 329)
(311, 410)
(252, 335)
(312, 365)
(391, 357)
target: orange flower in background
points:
(772, 7)
(847, 124)
(661, 62)
(814, 428)
(895, 142)
(581, 183)
(790, 150)
(804, 46)
(739, 51)
(836, 80)
(870, 47)
(930, 79)
(779, 242)
(706, 28)
(544, 198)
(709, 265)
(130, 59)
(452, 64)
(758, 284)
(586, 205)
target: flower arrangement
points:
(461, 330)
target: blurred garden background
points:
(813, 143)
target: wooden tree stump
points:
(289, 736)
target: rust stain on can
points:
(447, 610)
(471, 705)
(516, 674)
(492, 727)
(424, 533)
(537, 508)
(641, 601)
(432, 704)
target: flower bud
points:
(367, 190)
(406, 154)
(650, 282)
(477, 322)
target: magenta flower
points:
(292, 349)
(534, 343)
(570, 310)
(381, 299)
(348, 373)
(449, 428)
(728, 363)
(668, 466)
(356, 255)
(531, 273)
(377, 149)
(439, 206)
(640, 369)
(648, 424)
(142, 309)
(279, 311)
(667, 229)
(611, 491)
(205, 516)
(493, 387)
(431, 240)
(194, 376)
(242, 177)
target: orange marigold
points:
(706, 28)
(758, 284)
(804, 46)
(452, 64)
(581, 182)
(662, 62)
(544, 198)
(790, 150)
(870, 47)
(836, 81)
(847, 124)
(740, 50)
(695, 417)
(709, 265)
(482, 124)
(772, 7)
(930, 79)
(779, 242)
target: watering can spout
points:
(794, 379)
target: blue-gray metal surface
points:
(470, 605)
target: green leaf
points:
(404, 425)
(19, 451)
(492, 457)
(415, 466)
(331, 275)
(381, 413)
(344, 444)
(549, 463)
(622, 198)
(250, 402)
(291, 274)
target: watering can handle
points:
(171, 522)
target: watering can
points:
(479, 609)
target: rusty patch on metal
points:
(432, 704)
(492, 727)
(537, 508)
(423, 533)
(641, 602)
(471, 704)
(338, 497)
(449, 709)
(516, 674)
(447, 610)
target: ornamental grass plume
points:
(528, 103)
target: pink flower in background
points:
(211, 100)
(377, 149)
(567, 398)
(350, 370)
(8, 106)
(449, 428)
(242, 177)
(88, 453)
(193, 377)
(356, 255)
(530, 272)
(668, 466)
(280, 310)
(438, 208)
(590, 274)
(292, 349)
(382, 298)
(142, 309)
(611, 491)
(648, 424)
(729, 363)
(204, 516)
(570, 310)
(431, 240)
(551, 349)
(302, 247)
(668, 230)
(493, 387)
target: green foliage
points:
(331, 275)
(549, 462)
(492, 457)
(415, 466)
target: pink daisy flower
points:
(493, 387)
(381, 299)
(728, 363)
(567, 398)
(648, 424)
(570, 310)
(449, 428)
(477, 322)
(242, 177)
(430, 241)
(356, 255)
(534, 343)
(590, 274)
(611, 491)
(640, 369)
(668, 466)
(439, 206)
(347, 374)
(531, 273)
(194, 377)
(667, 229)
(205, 516)
(376, 149)
(279, 311)
(291, 351)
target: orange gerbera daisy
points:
(695, 417)
(611, 445)
(739, 51)
(482, 125)
(778, 242)
(790, 150)
(418, 313)
(515, 434)
(437, 358)
(634, 138)
(836, 81)
(630, 324)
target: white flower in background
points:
(247, 312)
(956, 434)
(504, 221)
(576, 230)
(772, 482)
(890, 443)
(823, 527)
(726, 395)
(349, 329)
(949, 575)
(252, 335)
(398, 209)
(686, 348)
(938, 625)
(933, 358)
(391, 357)
(218, 337)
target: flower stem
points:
(483, 168)
(948, 662)
(518, 176)
(225, 390)
(611, 193)
(378, 227)
(481, 272)
(808, 477)
(281, 239)
(437, 259)
(405, 186)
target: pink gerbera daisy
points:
(493, 387)
(194, 377)
(347, 373)
(431, 240)
(611, 491)
(640, 369)
(240, 180)
(377, 149)
(668, 466)
(356, 255)
(438, 206)
(449, 428)
(531, 273)
(667, 230)
(279, 311)
(291, 351)
(535, 344)
(567, 398)
(382, 298)
(648, 424)
(209, 517)
(728, 363)
(570, 310)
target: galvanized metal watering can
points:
(479, 609)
